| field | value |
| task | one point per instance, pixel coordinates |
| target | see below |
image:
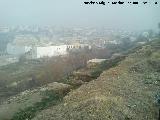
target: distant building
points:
(78, 46)
(48, 51)
(115, 55)
(94, 62)
(41, 50)
(141, 43)
(56, 50)
(111, 42)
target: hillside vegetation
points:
(28, 103)
(128, 91)
(25, 105)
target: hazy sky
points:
(75, 12)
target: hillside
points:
(129, 91)
(33, 100)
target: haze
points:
(76, 13)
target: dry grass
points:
(120, 93)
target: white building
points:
(43, 50)
(48, 51)
(95, 60)
(56, 50)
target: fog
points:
(76, 13)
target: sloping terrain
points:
(129, 91)
(26, 104)
(30, 99)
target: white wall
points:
(50, 51)
(39, 52)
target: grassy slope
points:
(128, 91)
(27, 103)
(13, 78)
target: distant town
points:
(38, 42)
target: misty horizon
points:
(76, 13)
